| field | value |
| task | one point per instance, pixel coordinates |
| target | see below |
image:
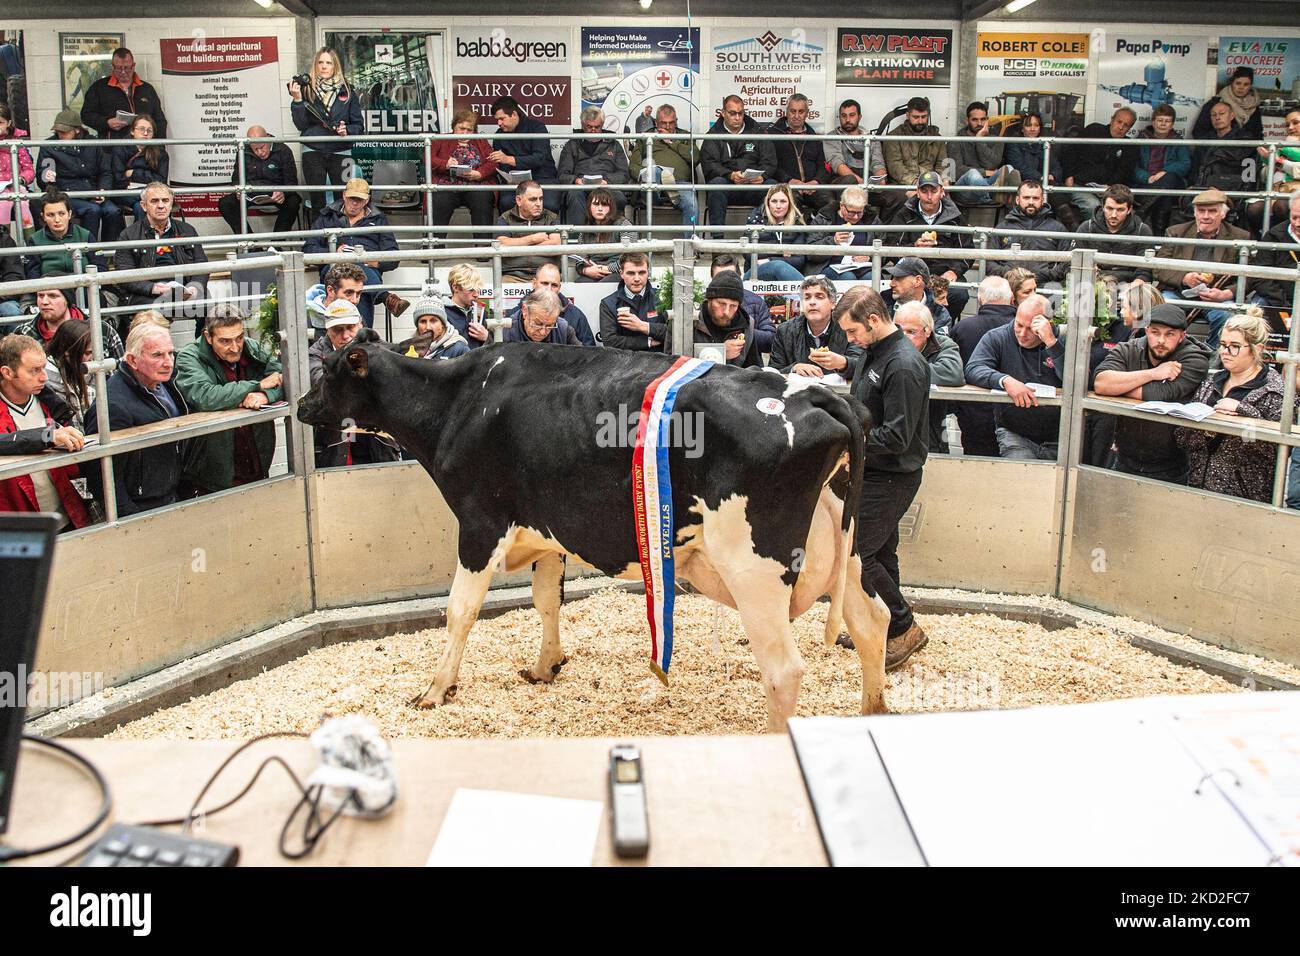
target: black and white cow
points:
(517, 439)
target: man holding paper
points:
(672, 161)
(113, 102)
(154, 251)
(1205, 289)
(521, 160)
(591, 162)
(1024, 359)
(736, 162)
(1162, 366)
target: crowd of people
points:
(1000, 334)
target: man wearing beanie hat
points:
(52, 310)
(723, 320)
(72, 166)
(1163, 365)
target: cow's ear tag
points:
(359, 362)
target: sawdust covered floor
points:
(606, 689)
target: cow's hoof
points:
(532, 678)
(846, 642)
(433, 698)
(556, 668)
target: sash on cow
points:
(652, 503)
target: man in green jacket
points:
(677, 156)
(58, 229)
(225, 370)
(907, 161)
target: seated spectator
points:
(150, 317)
(524, 155)
(459, 163)
(529, 210)
(603, 210)
(1115, 217)
(325, 108)
(343, 280)
(906, 162)
(856, 261)
(1163, 365)
(1225, 165)
(1013, 358)
(846, 160)
(138, 164)
(1136, 301)
(1099, 165)
(548, 277)
(122, 91)
(995, 310)
(354, 211)
(629, 316)
(800, 160)
(726, 161)
(1286, 174)
(26, 178)
(909, 281)
(168, 295)
(812, 344)
(463, 311)
(931, 207)
(1241, 97)
(1161, 164)
(591, 162)
(1033, 215)
(1245, 387)
(435, 337)
(774, 216)
(353, 447)
(1211, 209)
(65, 368)
(943, 357)
(538, 320)
(722, 320)
(981, 163)
(1277, 296)
(1023, 283)
(74, 167)
(755, 305)
(673, 162)
(58, 229)
(11, 270)
(27, 428)
(222, 370)
(1027, 157)
(141, 391)
(52, 310)
(267, 168)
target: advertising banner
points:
(228, 82)
(1276, 62)
(1145, 70)
(85, 57)
(763, 69)
(631, 72)
(1044, 73)
(531, 64)
(893, 56)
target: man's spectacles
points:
(1232, 348)
(850, 213)
(533, 324)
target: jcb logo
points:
(1021, 63)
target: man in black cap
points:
(1162, 366)
(723, 320)
(909, 281)
(893, 381)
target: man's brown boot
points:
(899, 649)
(395, 304)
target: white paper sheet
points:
(496, 828)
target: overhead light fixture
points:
(645, 4)
(1017, 5)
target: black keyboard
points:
(123, 845)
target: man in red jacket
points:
(26, 428)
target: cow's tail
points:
(854, 416)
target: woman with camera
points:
(325, 105)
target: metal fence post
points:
(1081, 304)
(16, 187)
(681, 328)
(498, 293)
(1288, 399)
(1243, 258)
(103, 429)
(243, 186)
(291, 290)
(1268, 188)
(983, 269)
(1047, 169)
(649, 164)
(877, 260)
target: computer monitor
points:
(26, 554)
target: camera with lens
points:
(303, 80)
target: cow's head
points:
(346, 393)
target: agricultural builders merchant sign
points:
(893, 56)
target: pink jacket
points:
(24, 159)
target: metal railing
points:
(291, 282)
